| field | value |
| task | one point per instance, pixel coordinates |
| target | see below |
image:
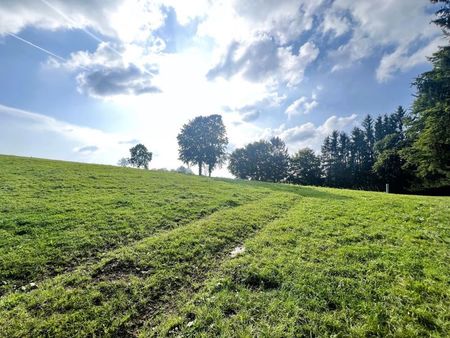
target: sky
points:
(85, 80)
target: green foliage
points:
(202, 141)
(305, 168)
(336, 159)
(428, 134)
(139, 156)
(123, 252)
(443, 15)
(261, 161)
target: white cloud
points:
(336, 23)
(386, 23)
(284, 20)
(337, 123)
(110, 18)
(297, 137)
(250, 48)
(401, 60)
(31, 134)
(112, 70)
(301, 106)
(264, 61)
(311, 136)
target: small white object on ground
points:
(237, 251)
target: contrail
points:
(37, 47)
(95, 37)
(42, 49)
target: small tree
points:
(140, 156)
(202, 142)
(123, 162)
(184, 170)
(305, 168)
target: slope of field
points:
(89, 250)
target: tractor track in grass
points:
(129, 285)
(53, 269)
(169, 303)
(315, 266)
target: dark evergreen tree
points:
(329, 157)
(343, 168)
(389, 165)
(428, 135)
(357, 157)
(369, 155)
(379, 129)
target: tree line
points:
(410, 150)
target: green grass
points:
(124, 252)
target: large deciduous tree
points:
(139, 156)
(202, 142)
(261, 161)
(305, 168)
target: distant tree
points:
(184, 170)
(390, 168)
(123, 162)
(369, 136)
(379, 129)
(398, 121)
(217, 142)
(202, 142)
(357, 157)
(343, 163)
(389, 165)
(278, 159)
(140, 156)
(305, 168)
(330, 159)
(261, 161)
(369, 153)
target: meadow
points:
(92, 250)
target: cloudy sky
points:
(84, 80)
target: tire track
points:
(127, 287)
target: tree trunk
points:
(209, 171)
(200, 169)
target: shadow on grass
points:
(306, 191)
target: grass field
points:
(90, 250)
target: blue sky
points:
(85, 80)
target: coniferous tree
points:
(330, 155)
(428, 135)
(357, 157)
(379, 128)
(343, 162)
(389, 165)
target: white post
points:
(387, 188)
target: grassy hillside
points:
(106, 251)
